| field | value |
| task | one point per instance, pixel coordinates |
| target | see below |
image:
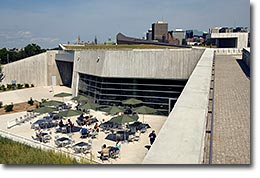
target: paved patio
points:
(131, 153)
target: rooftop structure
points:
(230, 37)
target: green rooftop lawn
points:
(75, 47)
(16, 153)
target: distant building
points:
(180, 34)
(229, 37)
(149, 36)
(159, 31)
(110, 42)
(189, 33)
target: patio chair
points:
(64, 130)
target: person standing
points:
(152, 137)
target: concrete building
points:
(229, 37)
(177, 82)
(159, 31)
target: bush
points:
(9, 86)
(30, 102)
(19, 86)
(9, 108)
(32, 85)
(13, 86)
(1, 104)
(3, 88)
(26, 85)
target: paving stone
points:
(231, 132)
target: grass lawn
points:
(16, 153)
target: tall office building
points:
(159, 31)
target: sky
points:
(50, 22)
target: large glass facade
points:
(156, 93)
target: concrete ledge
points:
(181, 139)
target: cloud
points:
(45, 40)
(20, 38)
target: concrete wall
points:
(246, 56)
(242, 38)
(143, 63)
(35, 70)
(181, 139)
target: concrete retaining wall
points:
(35, 70)
(181, 139)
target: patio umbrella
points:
(69, 113)
(52, 103)
(43, 110)
(80, 98)
(132, 101)
(113, 110)
(124, 119)
(89, 106)
(62, 94)
(145, 110)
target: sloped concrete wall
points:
(35, 70)
(175, 63)
(139, 63)
(181, 139)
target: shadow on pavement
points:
(244, 67)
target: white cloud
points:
(41, 39)
(20, 38)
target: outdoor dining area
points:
(75, 126)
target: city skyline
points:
(49, 23)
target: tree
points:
(33, 49)
(13, 55)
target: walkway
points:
(231, 133)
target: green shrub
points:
(13, 86)
(30, 102)
(1, 104)
(9, 86)
(26, 85)
(19, 86)
(9, 108)
(3, 88)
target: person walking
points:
(152, 137)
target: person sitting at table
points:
(70, 123)
(104, 151)
(96, 127)
(61, 123)
(38, 134)
(84, 132)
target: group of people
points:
(86, 129)
(110, 151)
(69, 125)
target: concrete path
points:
(231, 133)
